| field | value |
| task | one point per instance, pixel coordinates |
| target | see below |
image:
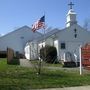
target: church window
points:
(63, 46)
(22, 37)
(75, 35)
(75, 30)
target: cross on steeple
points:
(70, 4)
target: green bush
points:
(14, 61)
(48, 54)
(3, 54)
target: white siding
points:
(18, 39)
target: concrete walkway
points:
(25, 63)
(70, 88)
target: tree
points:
(48, 54)
(87, 24)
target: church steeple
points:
(71, 16)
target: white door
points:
(73, 47)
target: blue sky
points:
(17, 13)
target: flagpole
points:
(39, 24)
(44, 36)
(44, 24)
(40, 61)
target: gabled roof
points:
(19, 30)
(55, 31)
(77, 25)
(48, 34)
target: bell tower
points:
(71, 16)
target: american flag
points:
(39, 24)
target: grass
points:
(14, 77)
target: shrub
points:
(48, 54)
(3, 54)
(69, 64)
(14, 61)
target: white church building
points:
(67, 41)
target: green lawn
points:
(14, 77)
